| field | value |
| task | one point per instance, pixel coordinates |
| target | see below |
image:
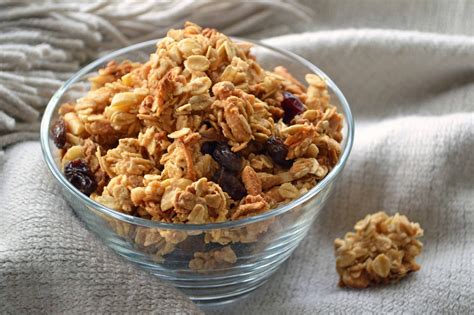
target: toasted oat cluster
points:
(382, 249)
(199, 133)
(217, 258)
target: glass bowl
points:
(197, 258)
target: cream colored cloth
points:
(410, 82)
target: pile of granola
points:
(382, 249)
(199, 133)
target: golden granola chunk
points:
(382, 249)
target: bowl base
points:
(221, 305)
(210, 302)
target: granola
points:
(217, 258)
(200, 133)
(382, 249)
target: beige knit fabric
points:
(410, 81)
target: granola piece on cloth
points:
(382, 249)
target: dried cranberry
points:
(292, 106)
(230, 184)
(226, 158)
(278, 151)
(79, 174)
(208, 147)
(59, 133)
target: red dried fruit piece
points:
(79, 174)
(278, 151)
(226, 158)
(230, 184)
(208, 147)
(58, 132)
(292, 106)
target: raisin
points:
(59, 133)
(256, 147)
(79, 174)
(278, 151)
(191, 244)
(208, 147)
(226, 158)
(230, 184)
(292, 106)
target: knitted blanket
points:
(408, 75)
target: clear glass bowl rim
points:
(50, 161)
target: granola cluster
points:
(382, 249)
(199, 133)
(217, 258)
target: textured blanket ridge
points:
(412, 95)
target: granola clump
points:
(218, 258)
(200, 133)
(382, 249)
